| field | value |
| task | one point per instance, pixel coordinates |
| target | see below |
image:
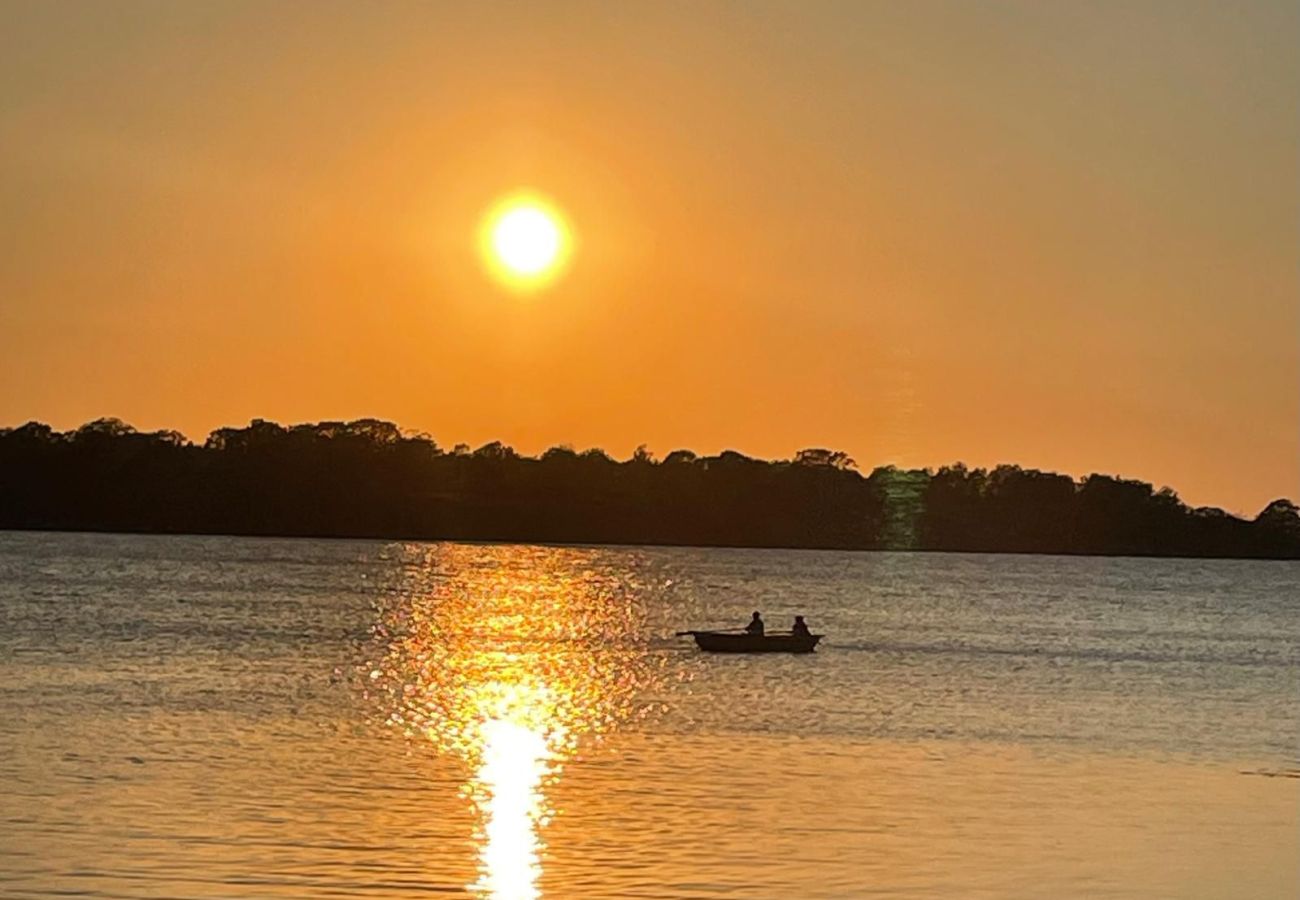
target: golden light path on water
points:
(509, 658)
(514, 761)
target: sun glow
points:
(525, 241)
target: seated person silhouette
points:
(800, 628)
(755, 625)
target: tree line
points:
(368, 478)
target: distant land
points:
(369, 479)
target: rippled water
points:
(221, 717)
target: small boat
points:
(732, 642)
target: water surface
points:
(225, 717)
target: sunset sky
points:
(1058, 234)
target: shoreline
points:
(524, 542)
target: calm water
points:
(218, 717)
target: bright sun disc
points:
(526, 241)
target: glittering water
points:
(218, 717)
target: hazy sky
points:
(1059, 234)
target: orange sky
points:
(1056, 234)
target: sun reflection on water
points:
(514, 761)
(509, 664)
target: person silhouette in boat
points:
(755, 626)
(800, 628)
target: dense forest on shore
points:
(367, 478)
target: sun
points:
(525, 241)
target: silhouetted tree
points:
(496, 451)
(816, 456)
(1278, 527)
(367, 478)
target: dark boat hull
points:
(719, 642)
